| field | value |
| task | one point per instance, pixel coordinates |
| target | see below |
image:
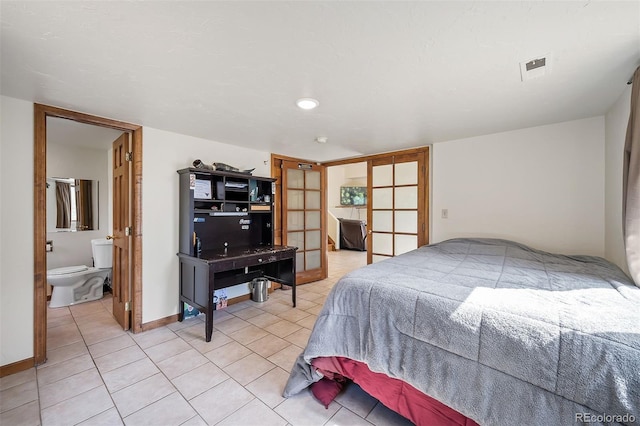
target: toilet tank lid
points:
(67, 270)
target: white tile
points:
(194, 421)
(217, 340)
(217, 403)
(182, 363)
(248, 312)
(186, 323)
(78, 408)
(129, 374)
(69, 387)
(167, 349)
(170, 410)
(112, 345)
(303, 409)
(228, 354)
(153, 337)
(17, 378)
(282, 328)
(106, 418)
(248, 368)
(231, 325)
(286, 357)
(254, 413)
(300, 337)
(294, 315)
(64, 353)
(139, 395)
(345, 417)
(248, 334)
(265, 319)
(119, 358)
(18, 395)
(268, 345)
(199, 380)
(269, 386)
(24, 415)
(62, 370)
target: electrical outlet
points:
(445, 213)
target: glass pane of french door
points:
(397, 211)
(303, 203)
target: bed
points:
(492, 330)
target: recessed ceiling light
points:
(321, 139)
(307, 103)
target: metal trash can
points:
(259, 289)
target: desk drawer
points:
(257, 260)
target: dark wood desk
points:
(216, 269)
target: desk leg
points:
(181, 311)
(293, 275)
(209, 322)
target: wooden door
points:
(303, 217)
(121, 275)
(397, 210)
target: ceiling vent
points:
(536, 67)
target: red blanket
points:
(393, 393)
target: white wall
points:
(615, 131)
(16, 229)
(541, 186)
(163, 154)
(74, 248)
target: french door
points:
(303, 217)
(398, 208)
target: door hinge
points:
(127, 231)
(127, 306)
(128, 156)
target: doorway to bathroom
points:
(127, 307)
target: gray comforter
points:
(500, 332)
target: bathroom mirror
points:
(72, 204)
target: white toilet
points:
(79, 284)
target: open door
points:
(397, 212)
(121, 275)
(301, 187)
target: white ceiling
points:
(388, 75)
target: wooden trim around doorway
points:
(41, 112)
(366, 158)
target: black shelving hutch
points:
(213, 205)
(226, 236)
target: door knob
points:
(110, 237)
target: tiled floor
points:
(97, 374)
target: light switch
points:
(445, 213)
(49, 246)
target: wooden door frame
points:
(41, 112)
(423, 179)
(276, 172)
